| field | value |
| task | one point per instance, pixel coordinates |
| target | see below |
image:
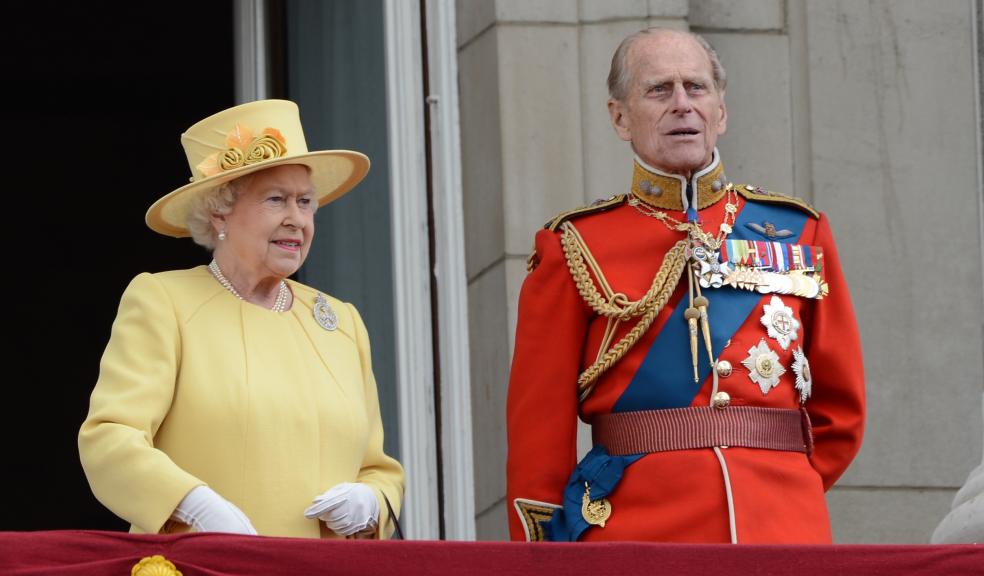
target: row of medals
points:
(711, 272)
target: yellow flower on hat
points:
(228, 145)
(243, 148)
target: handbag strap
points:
(396, 521)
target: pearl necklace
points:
(280, 305)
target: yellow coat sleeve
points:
(380, 472)
(136, 384)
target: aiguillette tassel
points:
(702, 303)
(692, 314)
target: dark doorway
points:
(107, 89)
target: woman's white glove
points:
(347, 508)
(205, 511)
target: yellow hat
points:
(245, 139)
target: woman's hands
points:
(347, 508)
(205, 511)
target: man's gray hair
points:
(619, 77)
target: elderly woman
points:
(230, 398)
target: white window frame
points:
(412, 269)
(452, 276)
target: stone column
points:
(895, 157)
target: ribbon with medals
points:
(773, 268)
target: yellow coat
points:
(268, 409)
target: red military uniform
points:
(720, 494)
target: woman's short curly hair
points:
(218, 200)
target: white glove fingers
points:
(346, 508)
(206, 511)
(322, 506)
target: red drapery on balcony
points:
(72, 552)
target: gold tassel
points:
(692, 314)
(702, 304)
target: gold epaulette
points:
(759, 195)
(598, 206)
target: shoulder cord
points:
(616, 306)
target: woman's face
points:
(270, 228)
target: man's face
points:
(672, 113)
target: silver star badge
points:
(779, 321)
(804, 378)
(763, 366)
(712, 271)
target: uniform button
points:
(721, 400)
(724, 368)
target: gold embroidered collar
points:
(668, 191)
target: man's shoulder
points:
(596, 207)
(758, 194)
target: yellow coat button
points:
(724, 368)
(721, 400)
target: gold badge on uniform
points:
(763, 366)
(594, 512)
(768, 229)
(323, 313)
(779, 321)
(804, 378)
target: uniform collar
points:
(669, 191)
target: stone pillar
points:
(965, 521)
(894, 163)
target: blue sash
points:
(602, 472)
(666, 377)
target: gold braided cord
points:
(575, 247)
(606, 341)
(616, 306)
(611, 304)
(585, 382)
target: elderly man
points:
(703, 329)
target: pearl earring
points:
(222, 235)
